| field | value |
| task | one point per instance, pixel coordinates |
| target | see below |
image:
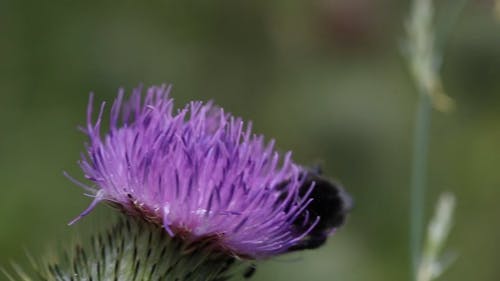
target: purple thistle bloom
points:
(199, 172)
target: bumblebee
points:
(329, 202)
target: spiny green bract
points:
(134, 250)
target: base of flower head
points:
(134, 249)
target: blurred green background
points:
(326, 78)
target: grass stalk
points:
(424, 55)
(419, 177)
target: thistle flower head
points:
(199, 172)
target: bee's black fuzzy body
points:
(329, 202)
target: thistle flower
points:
(200, 173)
(198, 191)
